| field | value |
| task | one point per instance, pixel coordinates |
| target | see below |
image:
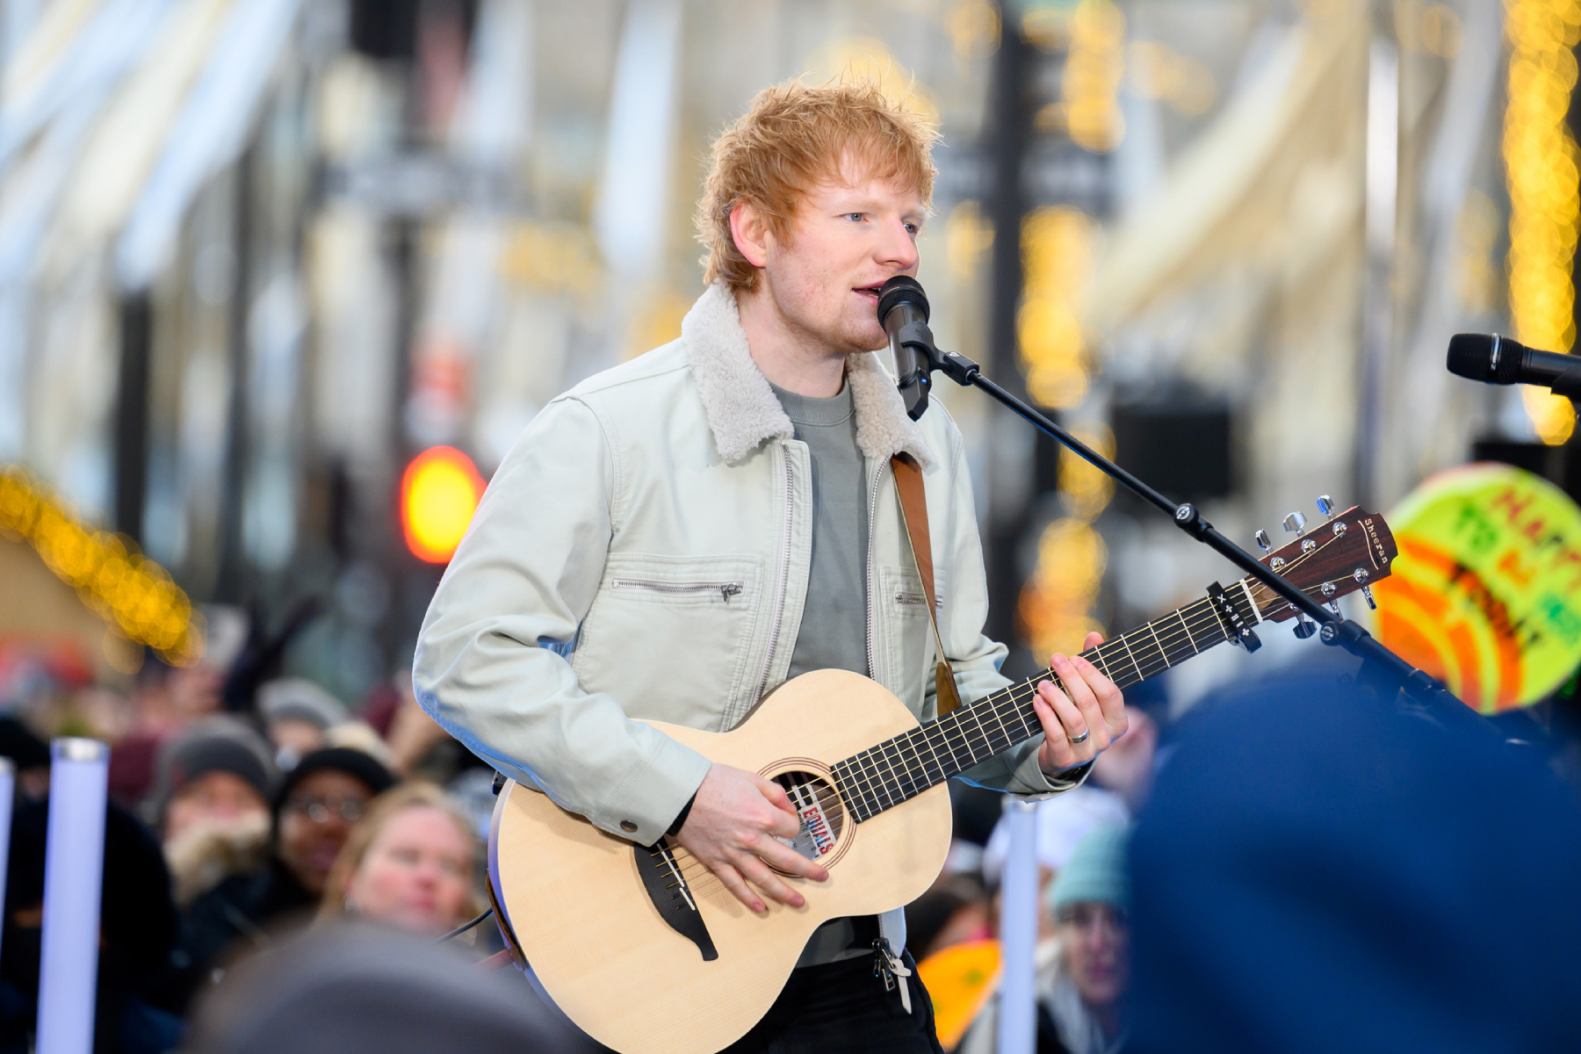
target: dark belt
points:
(866, 927)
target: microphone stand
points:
(1333, 629)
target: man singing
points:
(674, 537)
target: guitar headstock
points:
(1348, 552)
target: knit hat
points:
(216, 744)
(353, 763)
(1095, 872)
(298, 699)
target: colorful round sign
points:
(1486, 592)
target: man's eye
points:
(855, 217)
(913, 228)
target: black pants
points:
(842, 1007)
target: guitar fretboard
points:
(900, 768)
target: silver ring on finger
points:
(1081, 738)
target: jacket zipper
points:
(779, 597)
(872, 514)
(726, 590)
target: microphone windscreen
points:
(901, 290)
(1471, 356)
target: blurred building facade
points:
(255, 255)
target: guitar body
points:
(593, 934)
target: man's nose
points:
(897, 248)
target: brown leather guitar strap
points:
(914, 514)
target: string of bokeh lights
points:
(112, 577)
(1540, 161)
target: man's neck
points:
(790, 358)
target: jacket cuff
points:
(653, 793)
(1040, 784)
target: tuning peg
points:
(1295, 523)
(1333, 605)
(1366, 592)
(1261, 538)
(1325, 505)
(1304, 627)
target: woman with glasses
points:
(315, 808)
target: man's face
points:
(1096, 939)
(214, 798)
(845, 239)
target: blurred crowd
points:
(1298, 865)
(245, 809)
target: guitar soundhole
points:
(822, 813)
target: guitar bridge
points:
(672, 897)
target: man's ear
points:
(749, 228)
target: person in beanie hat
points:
(296, 714)
(315, 807)
(211, 804)
(1084, 971)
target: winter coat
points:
(643, 552)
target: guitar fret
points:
(913, 764)
(1180, 614)
(1099, 661)
(1162, 654)
(908, 764)
(1140, 676)
(928, 743)
(904, 771)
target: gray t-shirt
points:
(833, 633)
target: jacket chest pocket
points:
(904, 639)
(671, 637)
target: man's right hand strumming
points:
(732, 829)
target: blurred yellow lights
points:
(1094, 67)
(1055, 608)
(1055, 603)
(439, 493)
(1086, 490)
(1056, 258)
(124, 587)
(974, 28)
(967, 238)
(1540, 161)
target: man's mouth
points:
(869, 290)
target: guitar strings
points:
(1007, 703)
(1203, 613)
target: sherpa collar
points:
(743, 410)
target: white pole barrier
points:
(1018, 931)
(73, 877)
(7, 793)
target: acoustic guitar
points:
(649, 954)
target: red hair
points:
(793, 137)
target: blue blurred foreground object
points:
(358, 987)
(1320, 870)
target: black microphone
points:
(1500, 360)
(903, 312)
